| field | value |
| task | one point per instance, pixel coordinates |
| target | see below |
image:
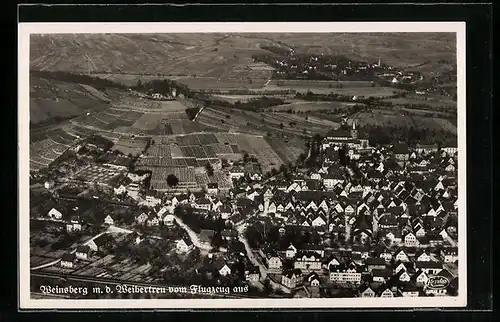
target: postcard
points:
(242, 165)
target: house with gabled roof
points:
(332, 262)
(409, 290)
(222, 267)
(74, 224)
(420, 278)
(152, 220)
(429, 267)
(366, 291)
(401, 256)
(423, 256)
(100, 242)
(375, 263)
(206, 236)
(252, 274)
(312, 279)
(291, 251)
(68, 260)
(184, 245)
(142, 218)
(362, 250)
(54, 214)
(403, 276)
(401, 266)
(307, 261)
(449, 254)
(381, 275)
(291, 278)
(274, 262)
(384, 291)
(82, 252)
(346, 274)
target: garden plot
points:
(130, 146)
(95, 173)
(147, 122)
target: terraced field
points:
(389, 118)
(306, 106)
(51, 99)
(278, 124)
(142, 123)
(48, 146)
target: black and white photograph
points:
(242, 165)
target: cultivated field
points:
(241, 98)
(47, 146)
(387, 118)
(133, 146)
(395, 48)
(201, 55)
(50, 99)
(166, 120)
(307, 106)
(427, 99)
(265, 123)
(225, 55)
(186, 156)
(95, 173)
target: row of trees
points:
(94, 81)
(382, 135)
(164, 87)
(197, 222)
(260, 235)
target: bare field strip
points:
(146, 122)
(306, 106)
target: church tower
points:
(354, 131)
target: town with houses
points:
(243, 166)
(352, 220)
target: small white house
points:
(54, 214)
(184, 245)
(109, 220)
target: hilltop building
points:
(341, 136)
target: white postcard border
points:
(24, 31)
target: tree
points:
(246, 157)
(209, 168)
(172, 180)
(281, 126)
(224, 162)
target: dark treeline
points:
(378, 102)
(100, 142)
(98, 83)
(244, 91)
(163, 87)
(191, 112)
(276, 49)
(254, 105)
(260, 235)
(382, 135)
(310, 96)
(198, 222)
(259, 103)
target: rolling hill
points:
(53, 100)
(219, 55)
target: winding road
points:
(263, 270)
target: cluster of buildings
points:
(396, 220)
(388, 225)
